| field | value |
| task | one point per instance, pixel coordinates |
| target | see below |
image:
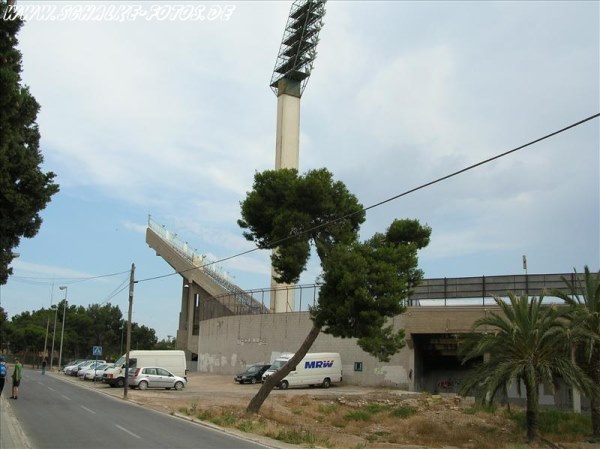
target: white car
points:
(68, 370)
(86, 365)
(100, 372)
(88, 372)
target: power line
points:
(66, 280)
(122, 286)
(407, 192)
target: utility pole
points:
(131, 282)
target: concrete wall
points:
(226, 345)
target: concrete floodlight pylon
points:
(293, 67)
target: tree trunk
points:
(531, 389)
(595, 401)
(273, 380)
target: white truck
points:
(316, 368)
(171, 360)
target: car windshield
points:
(252, 370)
(277, 364)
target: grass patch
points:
(328, 409)
(557, 422)
(358, 415)
(296, 437)
(482, 408)
(376, 408)
(403, 412)
(205, 415)
(250, 426)
(227, 419)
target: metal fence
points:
(447, 292)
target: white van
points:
(171, 360)
(317, 368)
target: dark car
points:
(252, 375)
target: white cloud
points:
(174, 119)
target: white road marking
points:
(127, 431)
(51, 389)
(87, 409)
(66, 397)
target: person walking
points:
(16, 379)
(3, 373)
(44, 366)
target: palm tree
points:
(584, 300)
(525, 343)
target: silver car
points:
(155, 377)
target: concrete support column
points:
(410, 344)
(576, 400)
(190, 315)
(183, 314)
(287, 155)
(287, 146)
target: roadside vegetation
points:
(387, 420)
(97, 324)
(530, 343)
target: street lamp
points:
(62, 332)
(55, 307)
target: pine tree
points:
(25, 189)
(364, 284)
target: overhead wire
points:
(66, 280)
(407, 192)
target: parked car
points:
(88, 363)
(252, 375)
(68, 370)
(87, 373)
(155, 377)
(99, 372)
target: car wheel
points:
(143, 385)
(284, 385)
(120, 383)
(179, 386)
(253, 380)
(326, 382)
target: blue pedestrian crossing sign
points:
(97, 350)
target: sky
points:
(172, 118)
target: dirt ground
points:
(336, 417)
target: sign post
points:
(96, 351)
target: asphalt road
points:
(57, 414)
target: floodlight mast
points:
(293, 67)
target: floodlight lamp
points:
(297, 50)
